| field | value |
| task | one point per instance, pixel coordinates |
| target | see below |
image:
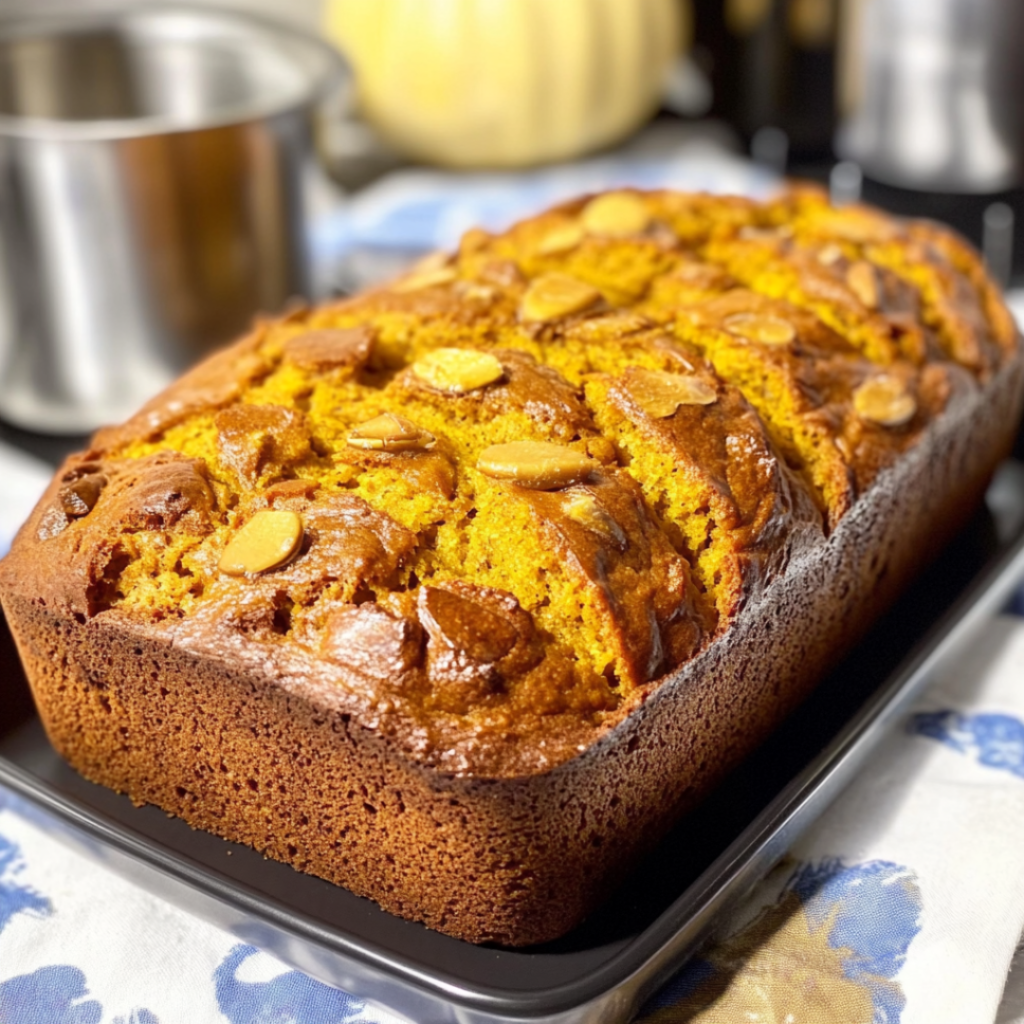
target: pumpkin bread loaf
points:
(458, 592)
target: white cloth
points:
(905, 902)
(79, 945)
(24, 479)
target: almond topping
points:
(267, 541)
(561, 239)
(863, 282)
(884, 400)
(457, 371)
(615, 324)
(418, 280)
(660, 394)
(830, 254)
(619, 214)
(554, 295)
(856, 224)
(436, 260)
(477, 292)
(583, 508)
(538, 465)
(390, 432)
(768, 330)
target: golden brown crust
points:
(474, 695)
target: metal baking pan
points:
(602, 971)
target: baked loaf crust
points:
(457, 593)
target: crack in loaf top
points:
(486, 508)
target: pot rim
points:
(322, 67)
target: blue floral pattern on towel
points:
(14, 897)
(829, 948)
(57, 993)
(290, 998)
(994, 740)
(51, 995)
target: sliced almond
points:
(856, 224)
(583, 508)
(419, 280)
(830, 254)
(767, 330)
(435, 260)
(561, 239)
(670, 346)
(477, 292)
(267, 541)
(457, 371)
(862, 280)
(660, 232)
(616, 324)
(390, 432)
(502, 273)
(619, 214)
(660, 394)
(555, 295)
(699, 273)
(884, 400)
(538, 465)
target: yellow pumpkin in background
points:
(506, 83)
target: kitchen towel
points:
(24, 478)
(906, 900)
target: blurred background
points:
(167, 172)
(301, 13)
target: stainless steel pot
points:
(153, 169)
(934, 97)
